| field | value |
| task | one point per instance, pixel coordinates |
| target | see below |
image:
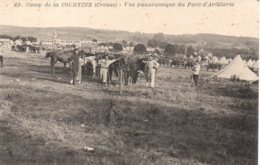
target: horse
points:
(214, 66)
(58, 56)
(34, 49)
(130, 68)
(21, 48)
(91, 64)
(113, 68)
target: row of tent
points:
(253, 64)
(238, 68)
(250, 63)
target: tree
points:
(17, 38)
(159, 37)
(158, 40)
(31, 39)
(124, 43)
(157, 51)
(131, 44)
(23, 39)
(170, 49)
(117, 47)
(140, 48)
(152, 43)
(190, 51)
(181, 49)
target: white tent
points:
(209, 55)
(214, 59)
(229, 60)
(250, 63)
(18, 42)
(223, 61)
(191, 57)
(237, 68)
(28, 43)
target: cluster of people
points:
(77, 61)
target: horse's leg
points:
(126, 77)
(94, 69)
(147, 77)
(53, 62)
(52, 68)
(64, 66)
(108, 77)
(73, 77)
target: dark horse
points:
(112, 69)
(58, 56)
(1, 60)
(131, 68)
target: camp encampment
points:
(237, 68)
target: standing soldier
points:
(76, 63)
(104, 64)
(1, 57)
(151, 68)
(196, 71)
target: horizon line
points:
(226, 35)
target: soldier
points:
(196, 71)
(76, 63)
(151, 68)
(104, 64)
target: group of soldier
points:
(77, 61)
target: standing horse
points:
(91, 63)
(131, 68)
(57, 56)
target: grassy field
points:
(42, 118)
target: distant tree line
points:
(250, 53)
(160, 41)
(29, 38)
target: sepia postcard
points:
(129, 82)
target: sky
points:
(240, 20)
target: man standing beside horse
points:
(104, 65)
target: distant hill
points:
(218, 44)
(77, 33)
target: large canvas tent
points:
(237, 68)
